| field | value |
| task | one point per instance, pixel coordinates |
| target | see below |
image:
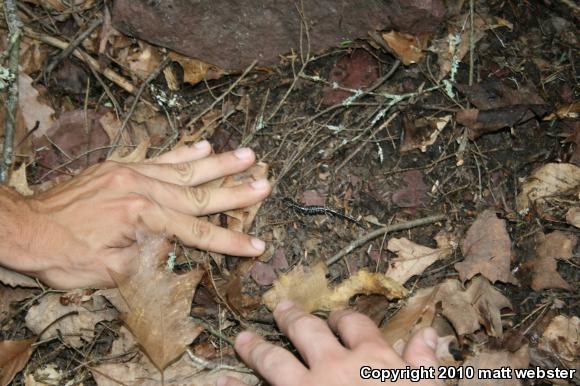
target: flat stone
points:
(233, 34)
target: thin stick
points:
(73, 45)
(471, 40)
(149, 79)
(379, 232)
(14, 27)
(221, 97)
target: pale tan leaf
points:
(76, 322)
(543, 266)
(487, 250)
(10, 295)
(33, 110)
(137, 155)
(573, 217)
(496, 360)
(412, 258)
(562, 338)
(488, 302)
(408, 48)
(15, 279)
(159, 303)
(48, 375)
(549, 180)
(308, 287)
(18, 181)
(14, 355)
(194, 70)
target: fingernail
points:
(222, 381)
(430, 337)
(284, 305)
(244, 153)
(258, 244)
(244, 337)
(260, 184)
(201, 145)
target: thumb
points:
(420, 350)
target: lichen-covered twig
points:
(15, 31)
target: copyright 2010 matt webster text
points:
(416, 374)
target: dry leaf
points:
(491, 360)
(137, 155)
(144, 61)
(308, 287)
(573, 217)
(487, 250)
(412, 259)
(571, 111)
(15, 279)
(10, 295)
(543, 266)
(18, 181)
(479, 304)
(194, 70)
(422, 132)
(48, 375)
(14, 355)
(408, 48)
(76, 322)
(549, 180)
(32, 109)
(159, 303)
(562, 338)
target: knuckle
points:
(138, 203)
(122, 176)
(304, 323)
(199, 196)
(185, 171)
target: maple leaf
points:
(562, 337)
(158, 303)
(543, 266)
(487, 250)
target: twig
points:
(362, 145)
(221, 97)
(379, 232)
(154, 74)
(73, 45)
(80, 54)
(471, 40)
(15, 33)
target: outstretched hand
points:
(73, 234)
(329, 362)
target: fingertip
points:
(420, 350)
(243, 339)
(258, 245)
(430, 337)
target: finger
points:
(309, 334)
(201, 200)
(199, 171)
(195, 232)
(229, 381)
(355, 329)
(184, 154)
(420, 350)
(278, 366)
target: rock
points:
(232, 34)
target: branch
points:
(14, 28)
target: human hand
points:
(328, 361)
(81, 229)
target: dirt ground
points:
(326, 153)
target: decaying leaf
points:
(549, 180)
(413, 258)
(194, 70)
(544, 268)
(74, 321)
(15, 279)
(18, 181)
(159, 303)
(491, 360)
(33, 110)
(408, 48)
(413, 193)
(10, 295)
(571, 111)
(479, 304)
(308, 287)
(422, 132)
(573, 217)
(14, 355)
(487, 250)
(562, 337)
(137, 155)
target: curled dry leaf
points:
(487, 250)
(562, 337)
(543, 266)
(15, 279)
(549, 180)
(422, 132)
(159, 303)
(408, 48)
(14, 355)
(308, 287)
(412, 258)
(491, 360)
(75, 322)
(573, 217)
(466, 310)
(19, 182)
(194, 70)
(137, 155)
